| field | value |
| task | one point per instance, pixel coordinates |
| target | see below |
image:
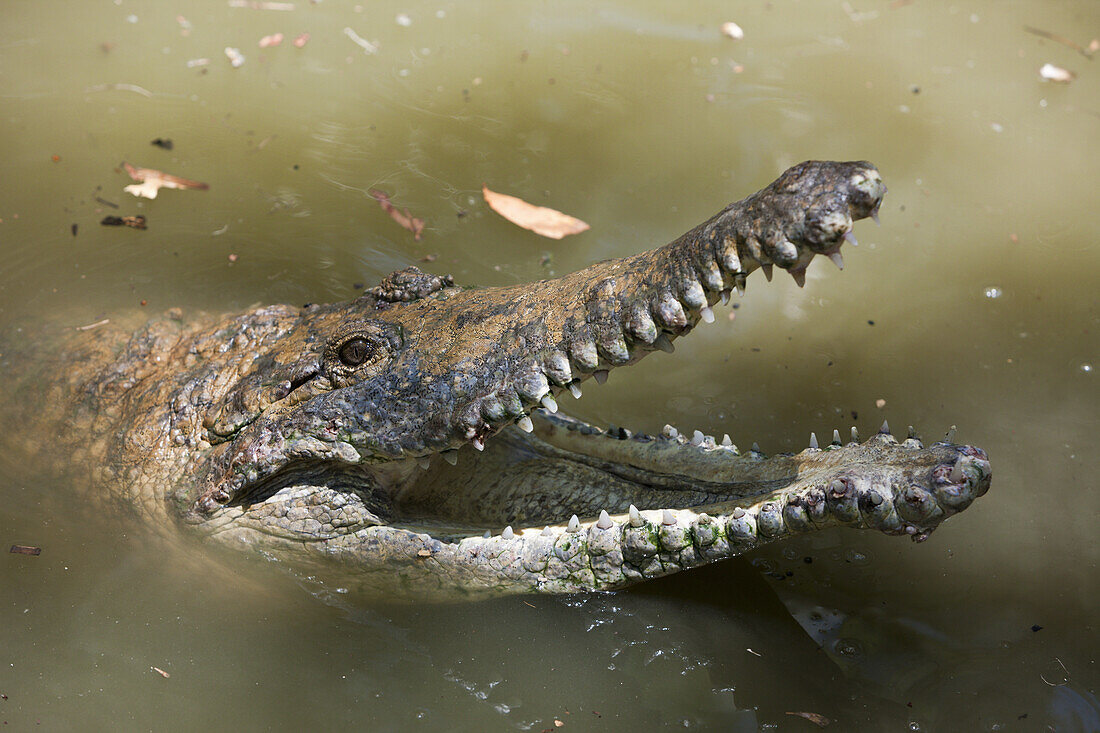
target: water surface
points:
(975, 304)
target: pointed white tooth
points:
(726, 440)
(549, 403)
(837, 260)
(874, 215)
(575, 390)
(424, 462)
(664, 343)
(547, 532)
(767, 271)
(574, 524)
(885, 429)
(706, 314)
(950, 437)
(957, 474)
(799, 277)
(477, 444)
(756, 448)
(600, 375)
(450, 456)
(813, 442)
(725, 296)
(855, 434)
(850, 238)
(697, 437)
(739, 283)
(507, 534)
(471, 432)
(635, 517)
(487, 534)
(525, 424)
(670, 431)
(668, 518)
(604, 522)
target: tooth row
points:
(703, 267)
(657, 542)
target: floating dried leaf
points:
(153, 180)
(134, 222)
(26, 550)
(539, 219)
(405, 219)
(1057, 74)
(817, 718)
(732, 30)
(163, 142)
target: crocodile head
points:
(411, 436)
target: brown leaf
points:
(538, 219)
(154, 180)
(134, 222)
(26, 550)
(816, 718)
(405, 219)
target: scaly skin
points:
(313, 434)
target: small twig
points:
(1060, 39)
(90, 326)
(105, 202)
(120, 87)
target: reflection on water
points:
(973, 305)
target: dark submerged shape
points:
(388, 441)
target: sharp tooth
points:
(668, 518)
(549, 403)
(604, 522)
(635, 517)
(767, 271)
(885, 429)
(450, 456)
(664, 343)
(726, 440)
(697, 438)
(600, 375)
(957, 474)
(706, 314)
(547, 532)
(874, 215)
(477, 444)
(813, 442)
(836, 437)
(670, 431)
(725, 295)
(574, 524)
(756, 448)
(575, 390)
(487, 534)
(912, 432)
(799, 277)
(837, 260)
(851, 238)
(525, 424)
(507, 534)
(739, 282)
(424, 462)
(950, 437)
(855, 434)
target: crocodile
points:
(408, 443)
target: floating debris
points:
(538, 219)
(134, 222)
(1056, 74)
(153, 180)
(26, 550)
(732, 30)
(236, 58)
(405, 219)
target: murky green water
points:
(975, 304)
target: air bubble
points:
(993, 292)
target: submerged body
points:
(408, 440)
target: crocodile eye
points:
(355, 351)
